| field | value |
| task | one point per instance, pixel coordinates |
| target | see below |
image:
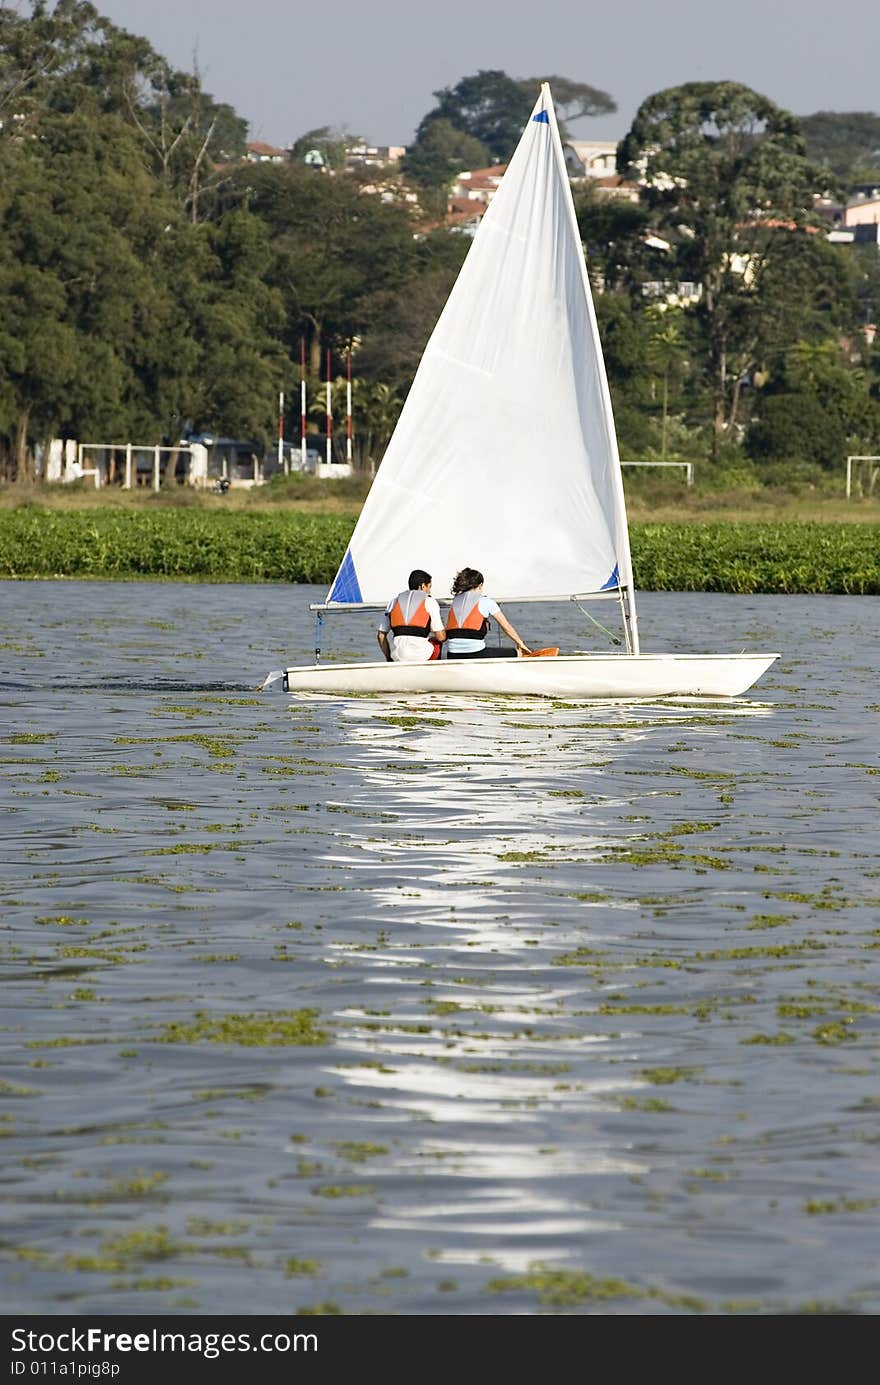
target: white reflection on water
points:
(447, 769)
(450, 1094)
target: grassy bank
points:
(649, 498)
(237, 545)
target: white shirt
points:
(411, 649)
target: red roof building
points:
(258, 153)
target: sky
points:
(370, 67)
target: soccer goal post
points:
(856, 467)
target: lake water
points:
(474, 1006)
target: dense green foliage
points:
(847, 142)
(441, 153)
(182, 544)
(719, 283)
(154, 283)
(123, 311)
(491, 107)
(710, 154)
(290, 547)
(786, 559)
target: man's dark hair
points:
(418, 578)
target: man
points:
(411, 630)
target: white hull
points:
(566, 675)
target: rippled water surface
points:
(444, 1006)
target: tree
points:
(493, 108)
(818, 407)
(666, 356)
(238, 320)
(725, 169)
(489, 106)
(189, 136)
(332, 246)
(795, 428)
(614, 235)
(846, 142)
(118, 317)
(377, 409)
(80, 226)
(444, 151)
(330, 144)
(399, 323)
(573, 100)
(70, 60)
(865, 263)
(41, 54)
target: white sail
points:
(505, 457)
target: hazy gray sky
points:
(371, 67)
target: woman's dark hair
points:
(418, 578)
(467, 580)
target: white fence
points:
(688, 468)
(125, 464)
(141, 464)
(131, 465)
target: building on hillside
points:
(478, 184)
(362, 155)
(862, 190)
(464, 215)
(673, 293)
(390, 191)
(863, 209)
(590, 158)
(830, 210)
(259, 153)
(614, 187)
(473, 190)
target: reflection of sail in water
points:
(487, 785)
(487, 934)
(489, 814)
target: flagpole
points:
(329, 412)
(348, 412)
(302, 399)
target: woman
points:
(468, 621)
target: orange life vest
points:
(465, 620)
(404, 620)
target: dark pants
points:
(499, 652)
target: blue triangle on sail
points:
(613, 580)
(542, 118)
(346, 587)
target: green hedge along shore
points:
(180, 545)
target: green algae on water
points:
(284, 1028)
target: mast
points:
(329, 412)
(628, 597)
(348, 408)
(302, 400)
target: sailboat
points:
(505, 458)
